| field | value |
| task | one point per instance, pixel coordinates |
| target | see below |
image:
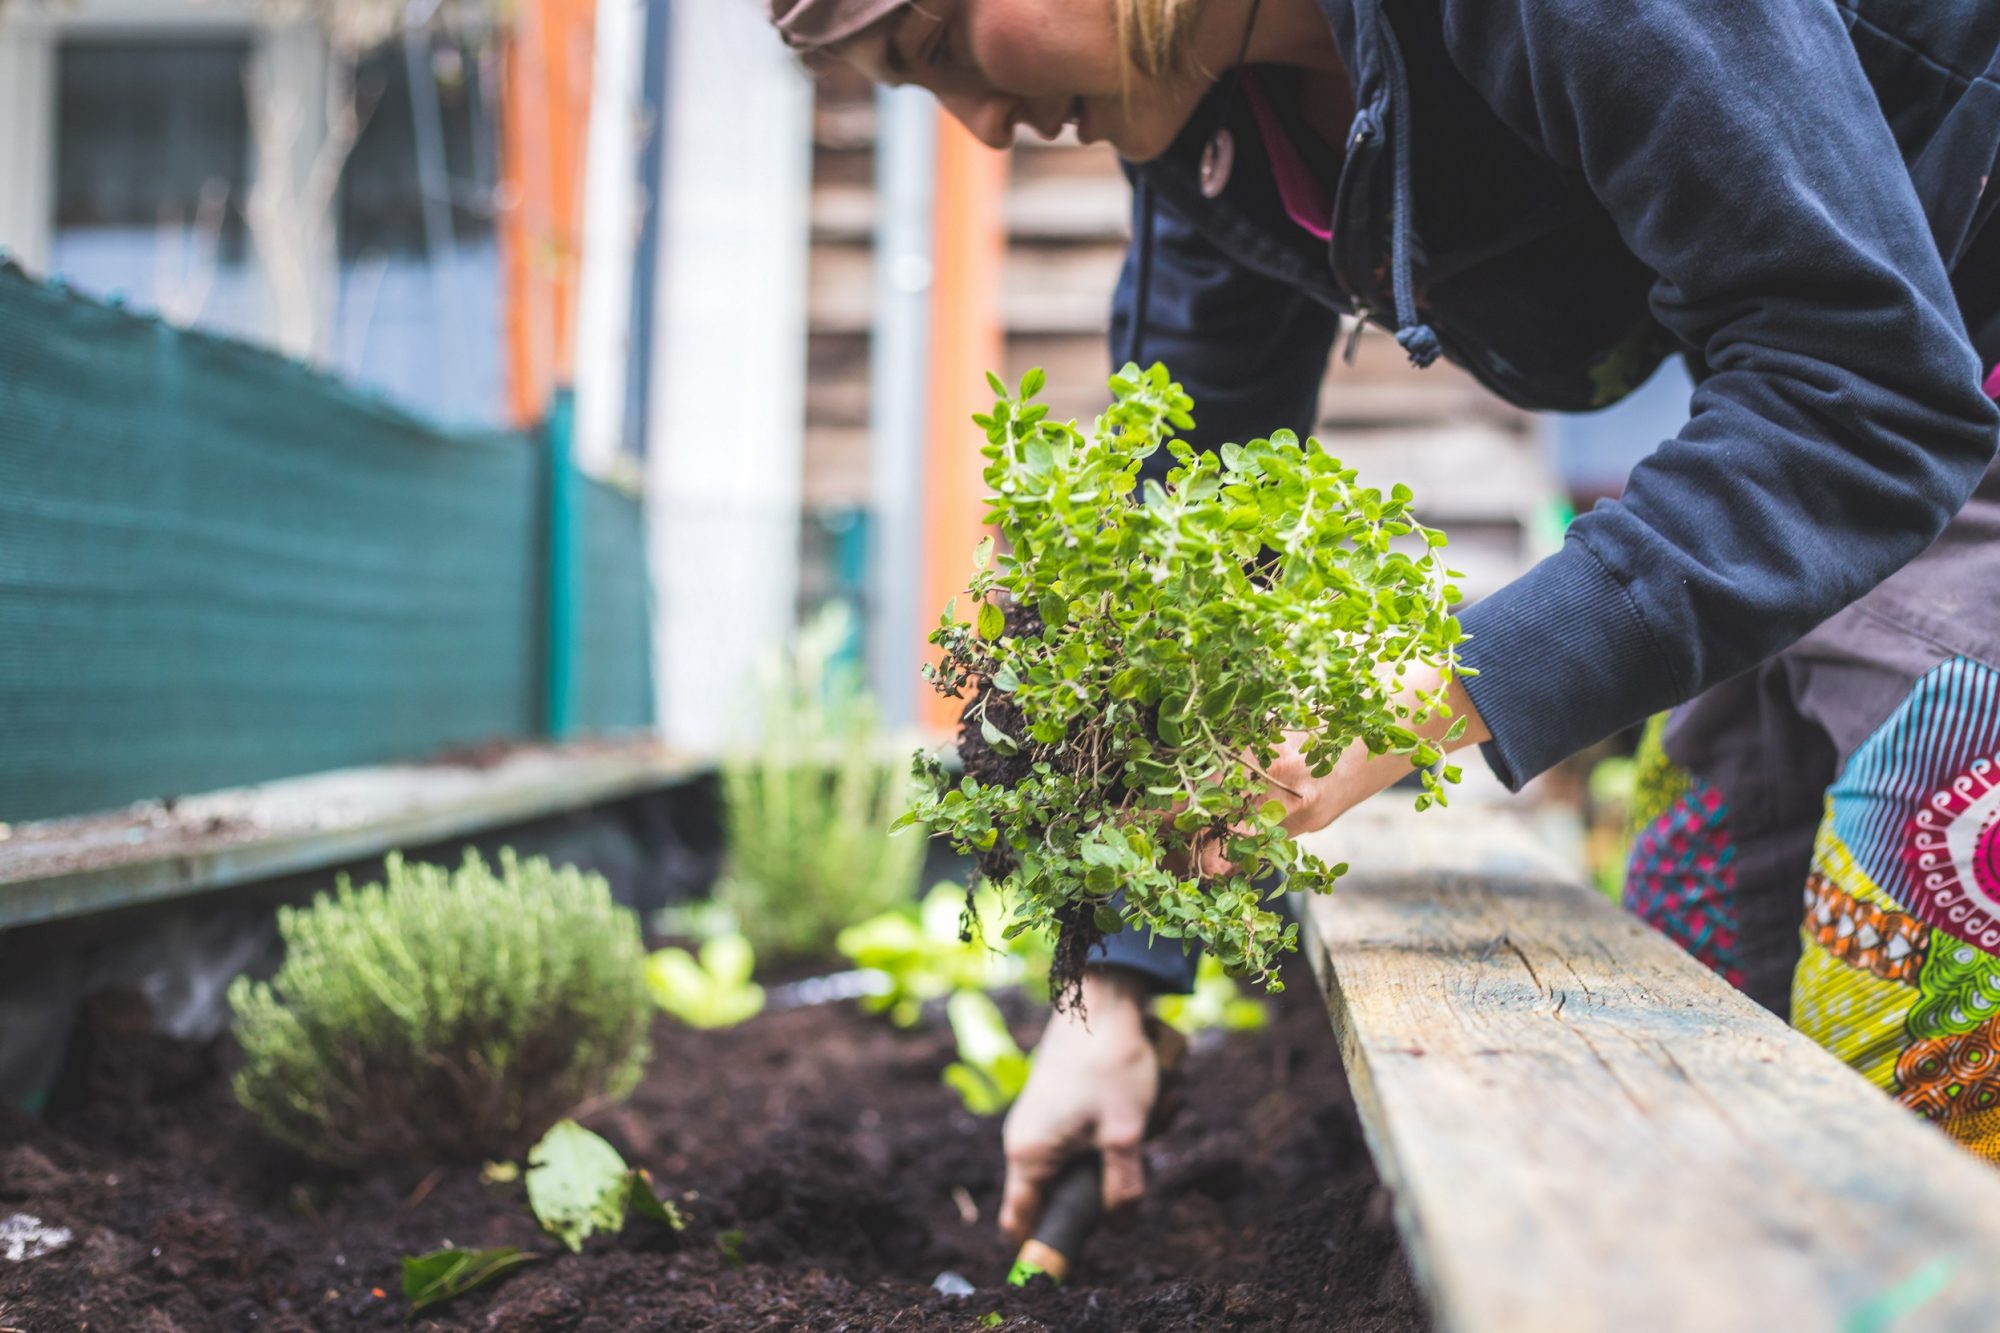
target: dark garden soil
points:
(827, 1175)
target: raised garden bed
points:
(829, 1177)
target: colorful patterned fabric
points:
(1681, 879)
(1887, 943)
(1900, 975)
(1657, 781)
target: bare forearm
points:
(1359, 774)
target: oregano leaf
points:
(992, 621)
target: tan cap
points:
(809, 24)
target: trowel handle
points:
(1074, 1205)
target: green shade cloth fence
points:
(219, 567)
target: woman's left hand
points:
(1311, 803)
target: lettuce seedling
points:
(952, 943)
(1215, 1002)
(1139, 651)
(991, 1068)
(714, 992)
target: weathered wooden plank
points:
(73, 867)
(1048, 289)
(1346, 400)
(1069, 209)
(1586, 1130)
(836, 468)
(1466, 470)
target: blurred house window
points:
(425, 328)
(152, 163)
(153, 170)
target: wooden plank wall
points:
(1477, 466)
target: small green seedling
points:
(991, 1068)
(1138, 652)
(714, 992)
(1216, 1002)
(926, 954)
(434, 1278)
(579, 1185)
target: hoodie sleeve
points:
(1166, 966)
(1742, 155)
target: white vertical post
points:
(728, 417)
(898, 376)
(27, 138)
(611, 219)
(292, 220)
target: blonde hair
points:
(1155, 35)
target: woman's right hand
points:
(1095, 1078)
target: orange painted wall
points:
(969, 247)
(544, 116)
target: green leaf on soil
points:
(577, 1184)
(730, 1243)
(992, 621)
(646, 1202)
(431, 1279)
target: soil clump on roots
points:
(826, 1173)
(1077, 932)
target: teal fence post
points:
(559, 679)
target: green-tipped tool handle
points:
(1070, 1215)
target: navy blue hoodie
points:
(1557, 195)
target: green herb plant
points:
(807, 808)
(713, 990)
(991, 1068)
(1215, 1003)
(951, 943)
(578, 1185)
(1139, 651)
(444, 1013)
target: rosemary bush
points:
(1139, 652)
(453, 1014)
(807, 811)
